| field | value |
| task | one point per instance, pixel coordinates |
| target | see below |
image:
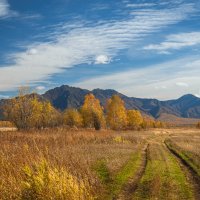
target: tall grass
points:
(59, 164)
(187, 146)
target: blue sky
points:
(141, 48)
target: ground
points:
(151, 164)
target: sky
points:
(141, 48)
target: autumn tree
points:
(198, 125)
(72, 118)
(26, 111)
(148, 123)
(49, 116)
(134, 119)
(151, 123)
(116, 113)
(159, 124)
(92, 112)
(35, 112)
(18, 109)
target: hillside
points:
(188, 106)
(174, 120)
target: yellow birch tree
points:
(72, 118)
(134, 118)
(92, 112)
(116, 113)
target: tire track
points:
(163, 178)
(130, 187)
(194, 179)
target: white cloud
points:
(79, 44)
(176, 42)
(182, 84)
(40, 88)
(99, 7)
(5, 9)
(6, 12)
(150, 82)
(140, 5)
(31, 16)
(158, 87)
(102, 59)
(197, 95)
(32, 51)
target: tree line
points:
(28, 111)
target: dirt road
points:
(165, 176)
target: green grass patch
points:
(163, 179)
(184, 155)
(102, 172)
(114, 183)
(185, 190)
(128, 171)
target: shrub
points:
(44, 182)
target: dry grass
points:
(86, 164)
(187, 145)
(188, 140)
(163, 177)
(75, 152)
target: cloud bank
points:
(176, 42)
(86, 43)
(165, 80)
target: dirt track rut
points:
(162, 175)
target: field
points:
(87, 164)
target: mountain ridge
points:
(65, 96)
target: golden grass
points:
(187, 144)
(87, 164)
(75, 152)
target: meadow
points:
(86, 164)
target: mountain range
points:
(187, 106)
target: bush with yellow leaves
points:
(44, 182)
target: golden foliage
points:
(150, 123)
(135, 119)
(92, 112)
(72, 118)
(116, 113)
(26, 111)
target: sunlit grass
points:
(67, 153)
(163, 178)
